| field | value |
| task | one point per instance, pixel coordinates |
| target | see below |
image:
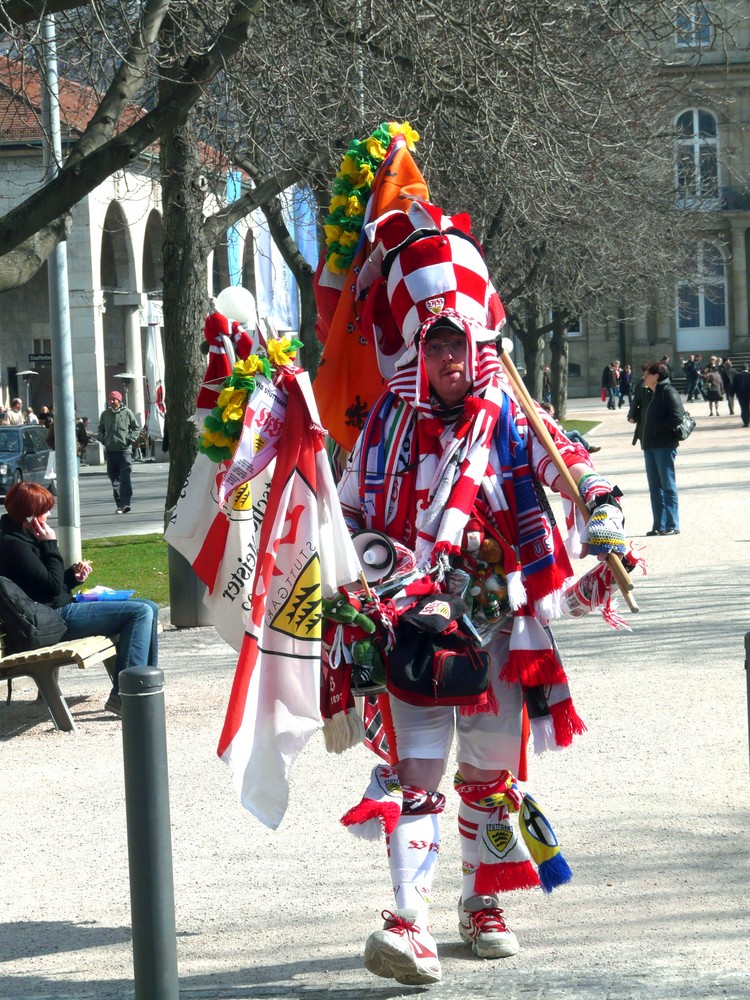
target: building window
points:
(702, 302)
(693, 28)
(697, 156)
(574, 370)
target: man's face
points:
(114, 402)
(16, 405)
(445, 359)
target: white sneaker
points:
(403, 951)
(482, 925)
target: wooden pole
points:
(527, 404)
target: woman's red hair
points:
(27, 500)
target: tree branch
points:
(72, 184)
(125, 84)
(17, 267)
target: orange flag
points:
(349, 380)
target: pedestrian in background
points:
(83, 436)
(118, 432)
(727, 378)
(641, 395)
(609, 385)
(15, 413)
(714, 390)
(660, 415)
(626, 386)
(741, 386)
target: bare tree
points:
(548, 122)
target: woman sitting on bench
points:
(29, 556)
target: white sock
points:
(412, 854)
(471, 823)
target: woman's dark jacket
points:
(641, 397)
(661, 416)
(36, 566)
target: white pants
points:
(491, 742)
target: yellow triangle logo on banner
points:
(243, 498)
(300, 616)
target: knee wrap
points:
(418, 802)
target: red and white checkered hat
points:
(432, 267)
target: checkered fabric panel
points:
(437, 273)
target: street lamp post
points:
(27, 376)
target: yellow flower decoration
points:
(336, 265)
(231, 397)
(352, 190)
(232, 412)
(348, 168)
(277, 351)
(249, 366)
(348, 239)
(354, 206)
(375, 148)
(333, 233)
(218, 439)
(365, 176)
(411, 135)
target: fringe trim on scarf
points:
(506, 877)
(488, 707)
(532, 659)
(343, 731)
(566, 722)
(380, 808)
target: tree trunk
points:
(185, 296)
(559, 365)
(533, 350)
(308, 313)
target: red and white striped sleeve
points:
(539, 460)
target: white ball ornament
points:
(237, 303)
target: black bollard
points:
(747, 680)
(144, 743)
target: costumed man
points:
(445, 462)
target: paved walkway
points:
(651, 806)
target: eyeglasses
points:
(435, 348)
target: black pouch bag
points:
(26, 624)
(432, 667)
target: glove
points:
(605, 531)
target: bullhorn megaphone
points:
(377, 554)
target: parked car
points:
(24, 453)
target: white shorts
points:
(492, 742)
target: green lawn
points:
(580, 425)
(130, 562)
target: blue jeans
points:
(135, 621)
(662, 486)
(577, 438)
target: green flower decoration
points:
(222, 427)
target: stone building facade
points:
(712, 174)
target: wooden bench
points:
(43, 667)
